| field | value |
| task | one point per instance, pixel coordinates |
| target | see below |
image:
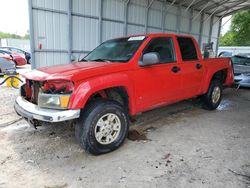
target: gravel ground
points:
(181, 145)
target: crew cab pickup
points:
(119, 79)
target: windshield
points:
(118, 50)
(241, 60)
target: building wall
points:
(66, 29)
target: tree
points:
(13, 36)
(239, 33)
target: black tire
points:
(86, 126)
(207, 99)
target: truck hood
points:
(75, 71)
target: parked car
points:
(18, 51)
(241, 64)
(225, 54)
(120, 78)
(6, 64)
(17, 58)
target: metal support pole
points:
(201, 29)
(218, 37)
(147, 10)
(125, 29)
(32, 37)
(100, 21)
(190, 21)
(210, 29)
(178, 21)
(162, 17)
(70, 36)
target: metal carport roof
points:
(60, 29)
(220, 8)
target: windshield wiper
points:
(83, 60)
(102, 60)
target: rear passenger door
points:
(192, 70)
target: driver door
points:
(158, 84)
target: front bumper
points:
(31, 112)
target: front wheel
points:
(211, 100)
(102, 127)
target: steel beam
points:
(231, 6)
(227, 21)
(189, 6)
(218, 37)
(221, 17)
(162, 17)
(70, 28)
(32, 36)
(210, 15)
(49, 10)
(190, 21)
(100, 21)
(199, 3)
(196, 16)
(125, 27)
(214, 5)
(210, 29)
(201, 29)
(147, 11)
(233, 11)
(178, 21)
(170, 6)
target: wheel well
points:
(118, 94)
(220, 75)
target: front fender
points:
(84, 89)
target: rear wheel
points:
(211, 100)
(102, 127)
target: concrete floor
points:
(186, 146)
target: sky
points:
(226, 22)
(14, 16)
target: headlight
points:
(55, 101)
(57, 87)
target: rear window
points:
(187, 47)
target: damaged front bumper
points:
(31, 112)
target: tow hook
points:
(34, 123)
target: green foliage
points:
(239, 33)
(14, 36)
(227, 39)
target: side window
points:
(164, 47)
(187, 47)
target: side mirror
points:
(150, 59)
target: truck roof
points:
(157, 35)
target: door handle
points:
(198, 66)
(176, 69)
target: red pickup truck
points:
(121, 78)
